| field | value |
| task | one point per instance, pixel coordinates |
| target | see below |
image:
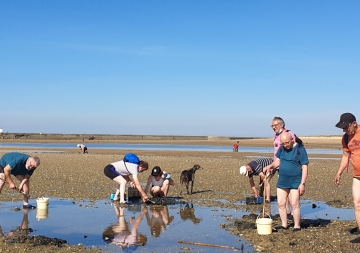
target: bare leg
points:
(25, 188)
(165, 188)
(294, 199)
(288, 209)
(2, 181)
(356, 198)
(122, 182)
(156, 191)
(282, 196)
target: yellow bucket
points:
(264, 225)
(42, 203)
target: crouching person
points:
(121, 170)
(158, 183)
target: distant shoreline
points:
(331, 142)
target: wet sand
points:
(78, 176)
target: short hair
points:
(36, 159)
(144, 165)
(279, 119)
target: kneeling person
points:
(255, 168)
(158, 184)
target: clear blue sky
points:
(180, 67)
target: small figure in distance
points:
(158, 183)
(21, 166)
(255, 168)
(83, 148)
(236, 147)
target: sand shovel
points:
(151, 201)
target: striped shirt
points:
(259, 164)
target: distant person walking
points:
(293, 162)
(351, 151)
(236, 147)
(255, 168)
(83, 148)
(21, 166)
(121, 170)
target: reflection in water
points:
(159, 219)
(258, 209)
(188, 213)
(125, 234)
(23, 229)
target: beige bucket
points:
(264, 225)
(42, 214)
(42, 203)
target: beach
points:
(69, 174)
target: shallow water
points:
(95, 223)
(204, 148)
(86, 223)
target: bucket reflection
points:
(42, 214)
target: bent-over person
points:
(255, 168)
(21, 166)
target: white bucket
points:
(264, 225)
(42, 203)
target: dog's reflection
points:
(188, 213)
(159, 219)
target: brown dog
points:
(188, 176)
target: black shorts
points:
(110, 172)
(1, 169)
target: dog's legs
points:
(192, 185)
(187, 187)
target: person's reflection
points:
(258, 210)
(120, 233)
(159, 219)
(188, 212)
(23, 229)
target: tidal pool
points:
(157, 228)
(102, 224)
